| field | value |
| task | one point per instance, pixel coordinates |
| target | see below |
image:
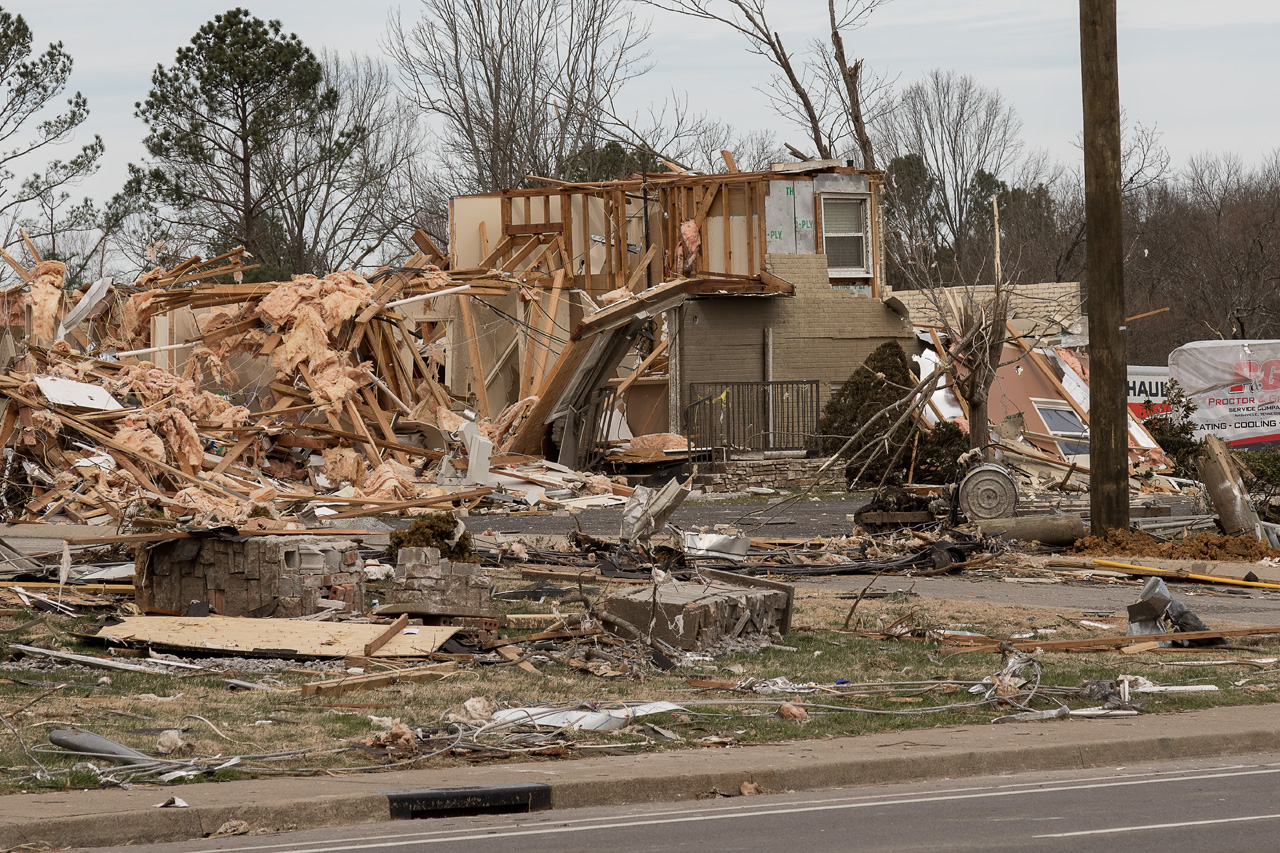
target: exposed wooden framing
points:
(725, 205)
(608, 241)
(426, 245)
(1041, 364)
(644, 365)
(491, 260)
(729, 162)
(566, 234)
(527, 249)
(761, 236)
(704, 202)
(527, 361)
(473, 355)
(534, 228)
(546, 327)
(380, 417)
(586, 241)
(638, 274)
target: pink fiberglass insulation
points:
(45, 298)
(135, 434)
(337, 381)
(660, 441)
(179, 435)
(136, 322)
(392, 481)
(342, 466)
(305, 342)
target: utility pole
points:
(1108, 365)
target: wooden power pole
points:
(1108, 368)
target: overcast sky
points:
(1204, 74)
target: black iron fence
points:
(753, 415)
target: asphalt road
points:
(1193, 805)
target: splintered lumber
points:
(87, 660)
(413, 503)
(382, 639)
(417, 675)
(1114, 642)
(275, 637)
(87, 588)
(546, 635)
(1174, 574)
(563, 574)
(511, 654)
(122, 538)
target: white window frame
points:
(863, 271)
(1076, 438)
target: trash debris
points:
(1156, 612)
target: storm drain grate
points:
(460, 802)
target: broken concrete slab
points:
(694, 615)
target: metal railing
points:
(753, 416)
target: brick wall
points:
(821, 333)
(736, 475)
(1058, 303)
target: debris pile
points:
(182, 399)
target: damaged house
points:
(732, 304)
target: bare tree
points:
(964, 137)
(824, 94)
(516, 85)
(30, 83)
(346, 185)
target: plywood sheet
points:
(279, 636)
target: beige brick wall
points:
(1055, 303)
(821, 333)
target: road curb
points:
(103, 819)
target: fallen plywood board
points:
(276, 637)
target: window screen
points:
(844, 233)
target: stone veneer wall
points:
(737, 474)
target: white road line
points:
(1160, 826)
(553, 817)
(482, 834)
(736, 808)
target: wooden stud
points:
(381, 640)
(626, 383)
(728, 234)
(473, 355)
(638, 274)
(544, 339)
(380, 417)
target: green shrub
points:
(879, 385)
(1175, 432)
